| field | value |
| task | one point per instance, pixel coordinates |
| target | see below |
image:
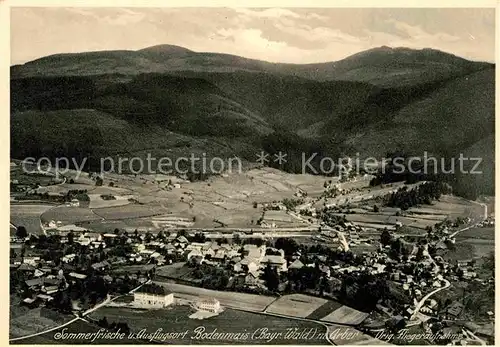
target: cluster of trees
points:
(153, 288)
(308, 278)
(211, 277)
(364, 291)
(123, 285)
(405, 198)
(290, 204)
(330, 217)
(271, 278)
(289, 246)
(114, 326)
(79, 194)
(21, 232)
(398, 246)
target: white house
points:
(147, 300)
(210, 305)
(31, 260)
(74, 203)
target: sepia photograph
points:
(252, 175)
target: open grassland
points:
(341, 335)
(78, 327)
(296, 305)
(346, 315)
(480, 248)
(28, 215)
(176, 270)
(69, 215)
(462, 251)
(487, 233)
(478, 242)
(249, 302)
(324, 309)
(448, 207)
(24, 321)
(176, 319)
(130, 211)
(17, 173)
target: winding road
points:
(422, 301)
(80, 317)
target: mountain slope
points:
(371, 103)
(449, 119)
(383, 66)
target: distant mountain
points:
(168, 99)
(382, 66)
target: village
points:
(374, 259)
(71, 269)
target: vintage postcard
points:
(252, 175)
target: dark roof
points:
(455, 308)
(26, 267)
(35, 282)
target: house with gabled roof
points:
(253, 278)
(275, 261)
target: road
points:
(46, 331)
(463, 229)
(422, 301)
(96, 307)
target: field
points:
(473, 243)
(296, 305)
(75, 327)
(259, 328)
(243, 301)
(448, 207)
(341, 335)
(16, 173)
(324, 309)
(346, 315)
(480, 248)
(462, 251)
(477, 233)
(176, 270)
(24, 321)
(28, 215)
(129, 211)
(97, 202)
(68, 215)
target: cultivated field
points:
(230, 321)
(296, 305)
(130, 211)
(341, 335)
(97, 202)
(69, 215)
(243, 301)
(346, 315)
(24, 321)
(28, 215)
(176, 270)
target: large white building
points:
(148, 300)
(210, 305)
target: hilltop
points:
(167, 98)
(383, 66)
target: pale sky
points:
(291, 35)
